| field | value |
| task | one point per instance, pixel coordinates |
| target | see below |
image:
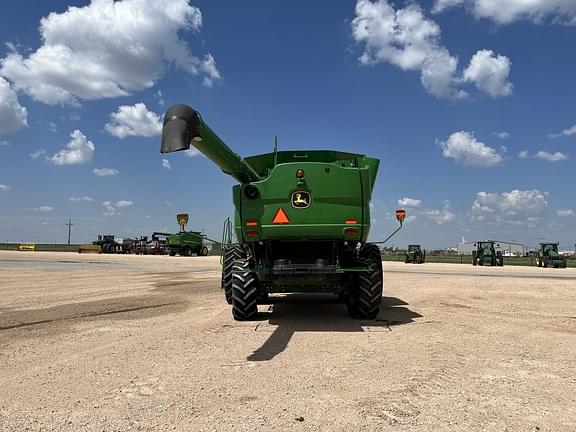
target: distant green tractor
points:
(185, 243)
(415, 254)
(548, 256)
(486, 254)
(108, 244)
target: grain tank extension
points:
(301, 220)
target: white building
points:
(507, 248)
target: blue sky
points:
(468, 106)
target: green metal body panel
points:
(186, 238)
(339, 186)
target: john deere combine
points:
(486, 254)
(415, 254)
(548, 256)
(185, 243)
(302, 220)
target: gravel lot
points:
(118, 343)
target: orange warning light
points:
(280, 217)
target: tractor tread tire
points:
(231, 255)
(366, 304)
(244, 291)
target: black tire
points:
(203, 251)
(231, 254)
(544, 262)
(172, 252)
(364, 303)
(474, 261)
(186, 252)
(244, 291)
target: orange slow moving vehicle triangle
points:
(280, 217)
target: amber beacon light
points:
(400, 216)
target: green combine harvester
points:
(415, 255)
(548, 256)
(302, 219)
(487, 255)
(186, 243)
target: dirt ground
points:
(119, 343)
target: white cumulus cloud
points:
(489, 72)
(507, 11)
(571, 131)
(515, 207)
(108, 49)
(502, 135)
(466, 150)
(13, 116)
(42, 209)
(551, 157)
(105, 172)
(134, 120)
(409, 202)
(191, 152)
(441, 216)
(4, 187)
(79, 150)
(37, 154)
(111, 208)
(565, 212)
(123, 203)
(410, 41)
(76, 199)
(166, 164)
(544, 155)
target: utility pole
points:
(69, 225)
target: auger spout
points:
(184, 126)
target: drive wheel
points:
(231, 254)
(203, 251)
(367, 295)
(474, 260)
(544, 262)
(172, 252)
(244, 291)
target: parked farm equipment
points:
(548, 256)
(302, 220)
(186, 243)
(486, 254)
(415, 254)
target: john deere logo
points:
(300, 199)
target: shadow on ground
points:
(318, 313)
